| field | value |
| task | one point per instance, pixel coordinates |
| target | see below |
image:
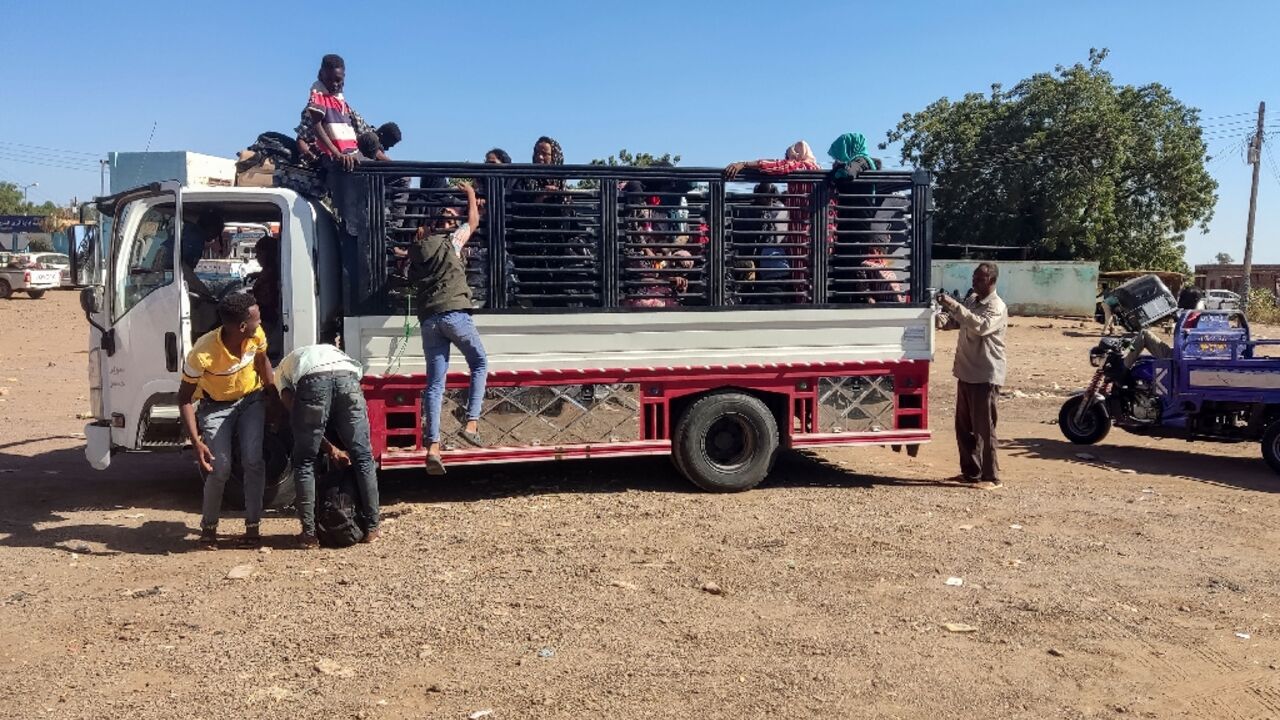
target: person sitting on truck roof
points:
(227, 371)
(444, 313)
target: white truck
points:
(690, 319)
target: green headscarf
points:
(847, 148)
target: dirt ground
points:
(1141, 583)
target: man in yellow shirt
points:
(227, 371)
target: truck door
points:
(142, 317)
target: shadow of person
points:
(155, 537)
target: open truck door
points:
(139, 310)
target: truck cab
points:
(148, 300)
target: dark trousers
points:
(332, 398)
(976, 430)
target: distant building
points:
(133, 169)
(1219, 276)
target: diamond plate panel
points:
(862, 403)
(548, 415)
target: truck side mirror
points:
(91, 299)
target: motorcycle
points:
(1116, 395)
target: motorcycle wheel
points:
(1090, 429)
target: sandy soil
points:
(1142, 583)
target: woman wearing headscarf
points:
(849, 151)
(798, 158)
(863, 255)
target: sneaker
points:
(308, 541)
(371, 535)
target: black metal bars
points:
(658, 238)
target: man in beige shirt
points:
(979, 370)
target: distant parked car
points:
(1221, 300)
(55, 261)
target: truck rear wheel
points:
(6, 290)
(725, 442)
(35, 294)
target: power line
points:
(28, 161)
(1271, 161)
(1248, 113)
(55, 150)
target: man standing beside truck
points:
(980, 371)
(227, 370)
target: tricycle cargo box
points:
(1143, 301)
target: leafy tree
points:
(626, 159)
(1224, 258)
(12, 203)
(1068, 164)
(40, 244)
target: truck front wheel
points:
(278, 492)
(725, 442)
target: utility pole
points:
(102, 177)
(1255, 157)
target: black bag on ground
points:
(337, 510)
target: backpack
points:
(337, 516)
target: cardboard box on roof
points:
(132, 169)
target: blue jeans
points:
(331, 398)
(439, 332)
(222, 424)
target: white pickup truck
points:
(18, 276)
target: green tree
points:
(12, 202)
(626, 159)
(1068, 164)
(1224, 258)
(40, 244)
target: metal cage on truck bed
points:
(599, 238)
(619, 306)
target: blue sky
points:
(712, 81)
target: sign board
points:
(21, 223)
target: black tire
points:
(1271, 446)
(35, 294)
(6, 290)
(279, 491)
(725, 442)
(1091, 429)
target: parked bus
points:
(625, 311)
